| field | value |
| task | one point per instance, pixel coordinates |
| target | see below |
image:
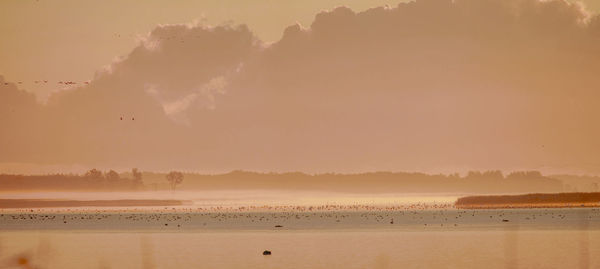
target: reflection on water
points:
(584, 240)
(582, 236)
(306, 249)
(147, 252)
(511, 246)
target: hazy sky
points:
(431, 85)
(82, 36)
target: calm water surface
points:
(449, 238)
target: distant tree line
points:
(493, 181)
(484, 182)
(92, 180)
(497, 175)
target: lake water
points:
(444, 238)
(231, 229)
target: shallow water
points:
(445, 238)
(305, 249)
(186, 219)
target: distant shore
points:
(40, 203)
(487, 182)
(533, 200)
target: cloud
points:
(204, 96)
(20, 116)
(431, 83)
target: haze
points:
(433, 86)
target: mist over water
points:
(238, 198)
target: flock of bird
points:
(293, 217)
(121, 118)
(420, 216)
(66, 82)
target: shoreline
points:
(56, 203)
(531, 200)
(526, 206)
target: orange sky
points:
(429, 85)
(83, 36)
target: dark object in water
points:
(278, 226)
(267, 252)
(504, 220)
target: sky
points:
(313, 86)
(82, 36)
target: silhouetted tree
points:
(112, 176)
(474, 175)
(524, 175)
(137, 177)
(487, 175)
(174, 178)
(495, 174)
(94, 174)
